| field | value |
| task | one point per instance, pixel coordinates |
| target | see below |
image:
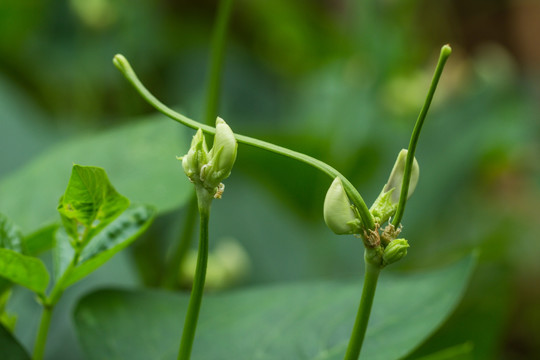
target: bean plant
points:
(304, 321)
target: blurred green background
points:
(342, 81)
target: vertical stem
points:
(364, 310)
(182, 246)
(41, 340)
(213, 90)
(216, 61)
(192, 316)
(48, 307)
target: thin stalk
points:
(195, 300)
(367, 219)
(48, 307)
(182, 246)
(364, 310)
(445, 53)
(213, 88)
(44, 325)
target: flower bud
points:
(386, 203)
(338, 212)
(395, 251)
(396, 177)
(196, 157)
(224, 149)
(208, 168)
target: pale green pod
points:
(338, 213)
(396, 177)
(395, 251)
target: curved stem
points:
(195, 300)
(445, 53)
(216, 61)
(364, 309)
(123, 65)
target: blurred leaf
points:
(113, 238)
(24, 270)
(293, 321)
(10, 347)
(23, 130)
(40, 240)
(10, 236)
(90, 200)
(139, 159)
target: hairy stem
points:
(195, 300)
(445, 53)
(367, 219)
(364, 310)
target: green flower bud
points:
(338, 212)
(224, 149)
(396, 177)
(208, 168)
(222, 157)
(386, 203)
(395, 251)
(196, 158)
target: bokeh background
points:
(340, 80)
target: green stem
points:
(48, 307)
(182, 247)
(41, 340)
(195, 300)
(216, 61)
(445, 53)
(213, 90)
(364, 310)
(123, 65)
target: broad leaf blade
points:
(23, 270)
(90, 200)
(10, 235)
(10, 347)
(110, 240)
(296, 321)
(134, 155)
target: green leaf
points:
(24, 270)
(40, 240)
(113, 238)
(10, 347)
(90, 200)
(140, 159)
(10, 235)
(295, 321)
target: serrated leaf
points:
(10, 349)
(90, 200)
(110, 240)
(135, 155)
(24, 270)
(10, 235)
(294, 321)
